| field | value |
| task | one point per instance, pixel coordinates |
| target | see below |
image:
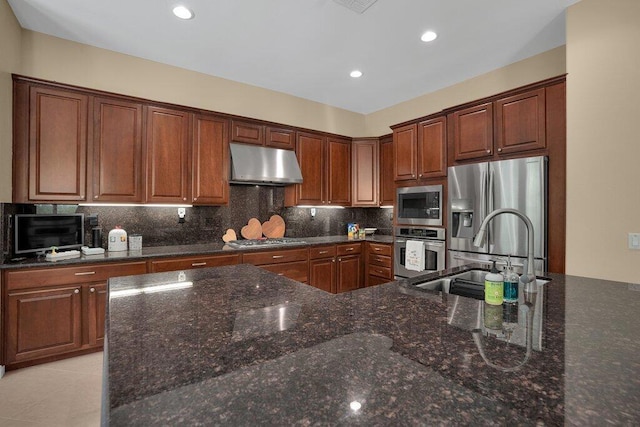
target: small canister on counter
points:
(135, 242)
(117, 240)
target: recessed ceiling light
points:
(429, 36)
(356, 73)
(183, 12)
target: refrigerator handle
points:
(491, 206)
(483, 198)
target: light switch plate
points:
(634, 240)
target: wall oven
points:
(434, 249)
(420, 205)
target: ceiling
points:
(307, 48)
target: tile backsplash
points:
(159, 226)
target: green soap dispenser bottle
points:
(494, 287)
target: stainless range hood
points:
(252, 164)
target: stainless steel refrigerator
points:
(477, 189)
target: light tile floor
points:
(65, 393)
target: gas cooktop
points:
(266, 242)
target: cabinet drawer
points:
(376, 270)
(382, 261)
(322, 252)
(36, 278)
(275, 257)
(293, 270)
(194, 262)
(380, 249)
(349, 249)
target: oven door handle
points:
(401, 241)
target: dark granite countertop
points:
(184, 250)
(239, 345)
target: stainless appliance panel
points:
(467, 190)
(421, 205)
(435, 257)
(517, 184)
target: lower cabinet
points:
(187, 263)
(322, 268)
(336, 268)
(56, 312)
(291, 263)
(379, 263)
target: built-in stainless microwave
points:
(420, 205)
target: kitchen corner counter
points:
(215, 248)
(239, 345)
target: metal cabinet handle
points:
(76, 291)
(198, 264)
(323, 252)
(277, 256)
(280, 274)
(499, 150)
(350, 249)
(377, 249)
(488, 151)
(92, 290)
(85, 273)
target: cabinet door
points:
(404, 152)
(280, 138)
(95, 314)
(349, 273)
(298, 271)
(117, 151)
(310, 153)
(322, 274)
(339, 172)
(473, 132)
(43, 323)
(247, 132)
(520, 122)
(210, 161)
(364, 163)
(167, 146)
(432, 148)
(57, 145)
(387, 187)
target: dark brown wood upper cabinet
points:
(210, 160)
(473, 132)
(325, 164)
(365, 176)
(310, 152)
(280, 138)
(258, 134)
(338, 171)
(432, 148)
(405, 152)
(117, 151)
(50, 144)
(520, 122)
(387, 187)
(167, 149)
(247, 132)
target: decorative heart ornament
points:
(253, 229)
(229, 236)
(274, 228)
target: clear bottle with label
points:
(494, 287)
(511, 280)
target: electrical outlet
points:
(634, 240)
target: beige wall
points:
(539, 67)
(9, 62)
(603, 139)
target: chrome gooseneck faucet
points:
(529, 277)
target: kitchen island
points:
(239, 345)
